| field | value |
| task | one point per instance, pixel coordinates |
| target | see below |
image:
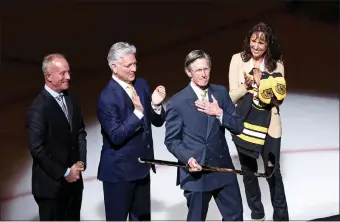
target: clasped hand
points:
(157, 97)
(209, 108)
(194, 166)
(257, 74)
(74, 174)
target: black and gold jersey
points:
(272, 88)
(256, 121)
(255, 110)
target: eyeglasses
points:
(200, 71)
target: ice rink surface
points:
(309, 164)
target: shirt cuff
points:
(220, 118)
(67, 172)
(138, 113)
(157, 109)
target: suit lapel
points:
(55, 106)
(126, 100)
(142, 95)
(192, 97)
(69, 109)
(211, 119)
(198, 118)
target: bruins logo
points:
(267, 93)
(281, 89)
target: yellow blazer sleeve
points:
(280, 68)
(273, 86)
(236, 90)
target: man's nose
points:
(67, 76)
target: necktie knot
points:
(204, 94)
(60, 97)
(63, 105)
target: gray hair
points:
(193, 56)
(48, 60)
(118, 51)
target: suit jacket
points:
(55, 144)
(191, 133)
(125, 136)
(238, 90)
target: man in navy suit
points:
(126, 108)
(196, 119)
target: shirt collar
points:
(197, 90)
(52, 92)
(120, 82)
(261, 66)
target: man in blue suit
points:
(126, 108)
(196, 119)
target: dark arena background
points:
(164, 32)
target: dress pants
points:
(128, 198)
(228, 200)
(66, 206)
(276, 187)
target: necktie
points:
(130, 89)
(203, 117)
(204, 95)
(63, 106)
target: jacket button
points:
(148, 146)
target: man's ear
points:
(114, 68)
(48, 77)
(187, 71)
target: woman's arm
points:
(280, 68)
(236, 90)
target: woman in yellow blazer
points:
(258, 72)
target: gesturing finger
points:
(200, 105)
(161, 92)
(193, 169)
(160, 89)
(135, 98)
(134, 93)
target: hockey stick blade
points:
(206, 168)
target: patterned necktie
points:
(203, 116)
(63, 106)
(204, 95)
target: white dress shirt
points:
(55, 96)
(199, 92)
(138, 113)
